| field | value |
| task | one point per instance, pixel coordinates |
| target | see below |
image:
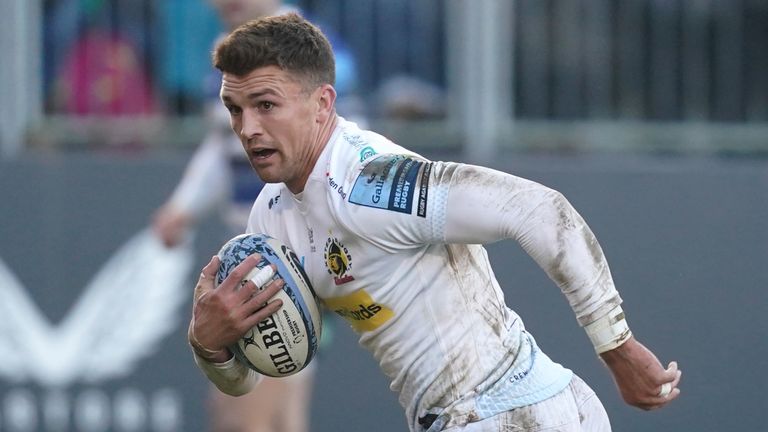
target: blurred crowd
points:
(637, 60)
(145, 57)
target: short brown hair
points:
(287, 41)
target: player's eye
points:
(233, 110)
(266, 105)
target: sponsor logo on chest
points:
(360, 310)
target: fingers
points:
(640, 377)
(668, 389)
(246, 291)
(225, 314)
(671, 372)
(260, 277)
(255, 281)
(205, 283)
(259, 307)
(210, 269)
(233, 281)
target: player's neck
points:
(318, 145)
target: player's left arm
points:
(484, 205)
(641, 379)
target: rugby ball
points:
(286, 342)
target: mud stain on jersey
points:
(568, 221)
(472, 416)
(485, 178)
(475, 307)
(471, 268)
(565, 224)
(523, 419)
(452, 259)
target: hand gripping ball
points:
(285, 342)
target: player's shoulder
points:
(368, 170)
(355, 148)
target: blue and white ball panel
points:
(286, 342)
(393, 182)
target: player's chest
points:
(347, 272)
(337, 262)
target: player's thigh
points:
(575, 409)
(591, 410)
(558, 413)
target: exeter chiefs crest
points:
(338, 261)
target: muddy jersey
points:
(392, 243)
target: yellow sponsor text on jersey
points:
(360, 310)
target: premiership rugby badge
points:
(394, 183)
(338, 261)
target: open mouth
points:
(263, 154)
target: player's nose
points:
(251, 125)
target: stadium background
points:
(652, 117)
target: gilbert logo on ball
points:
(285, 342)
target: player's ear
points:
(326, 100)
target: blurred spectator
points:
(181, 66)
(410, 98)
(95, 62)
(103, 75)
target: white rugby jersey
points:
(391, 242)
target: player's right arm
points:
(221, 316)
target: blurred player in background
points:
(392, 242)
(220, 178)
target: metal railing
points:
(600, 61)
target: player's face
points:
(279, 123)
